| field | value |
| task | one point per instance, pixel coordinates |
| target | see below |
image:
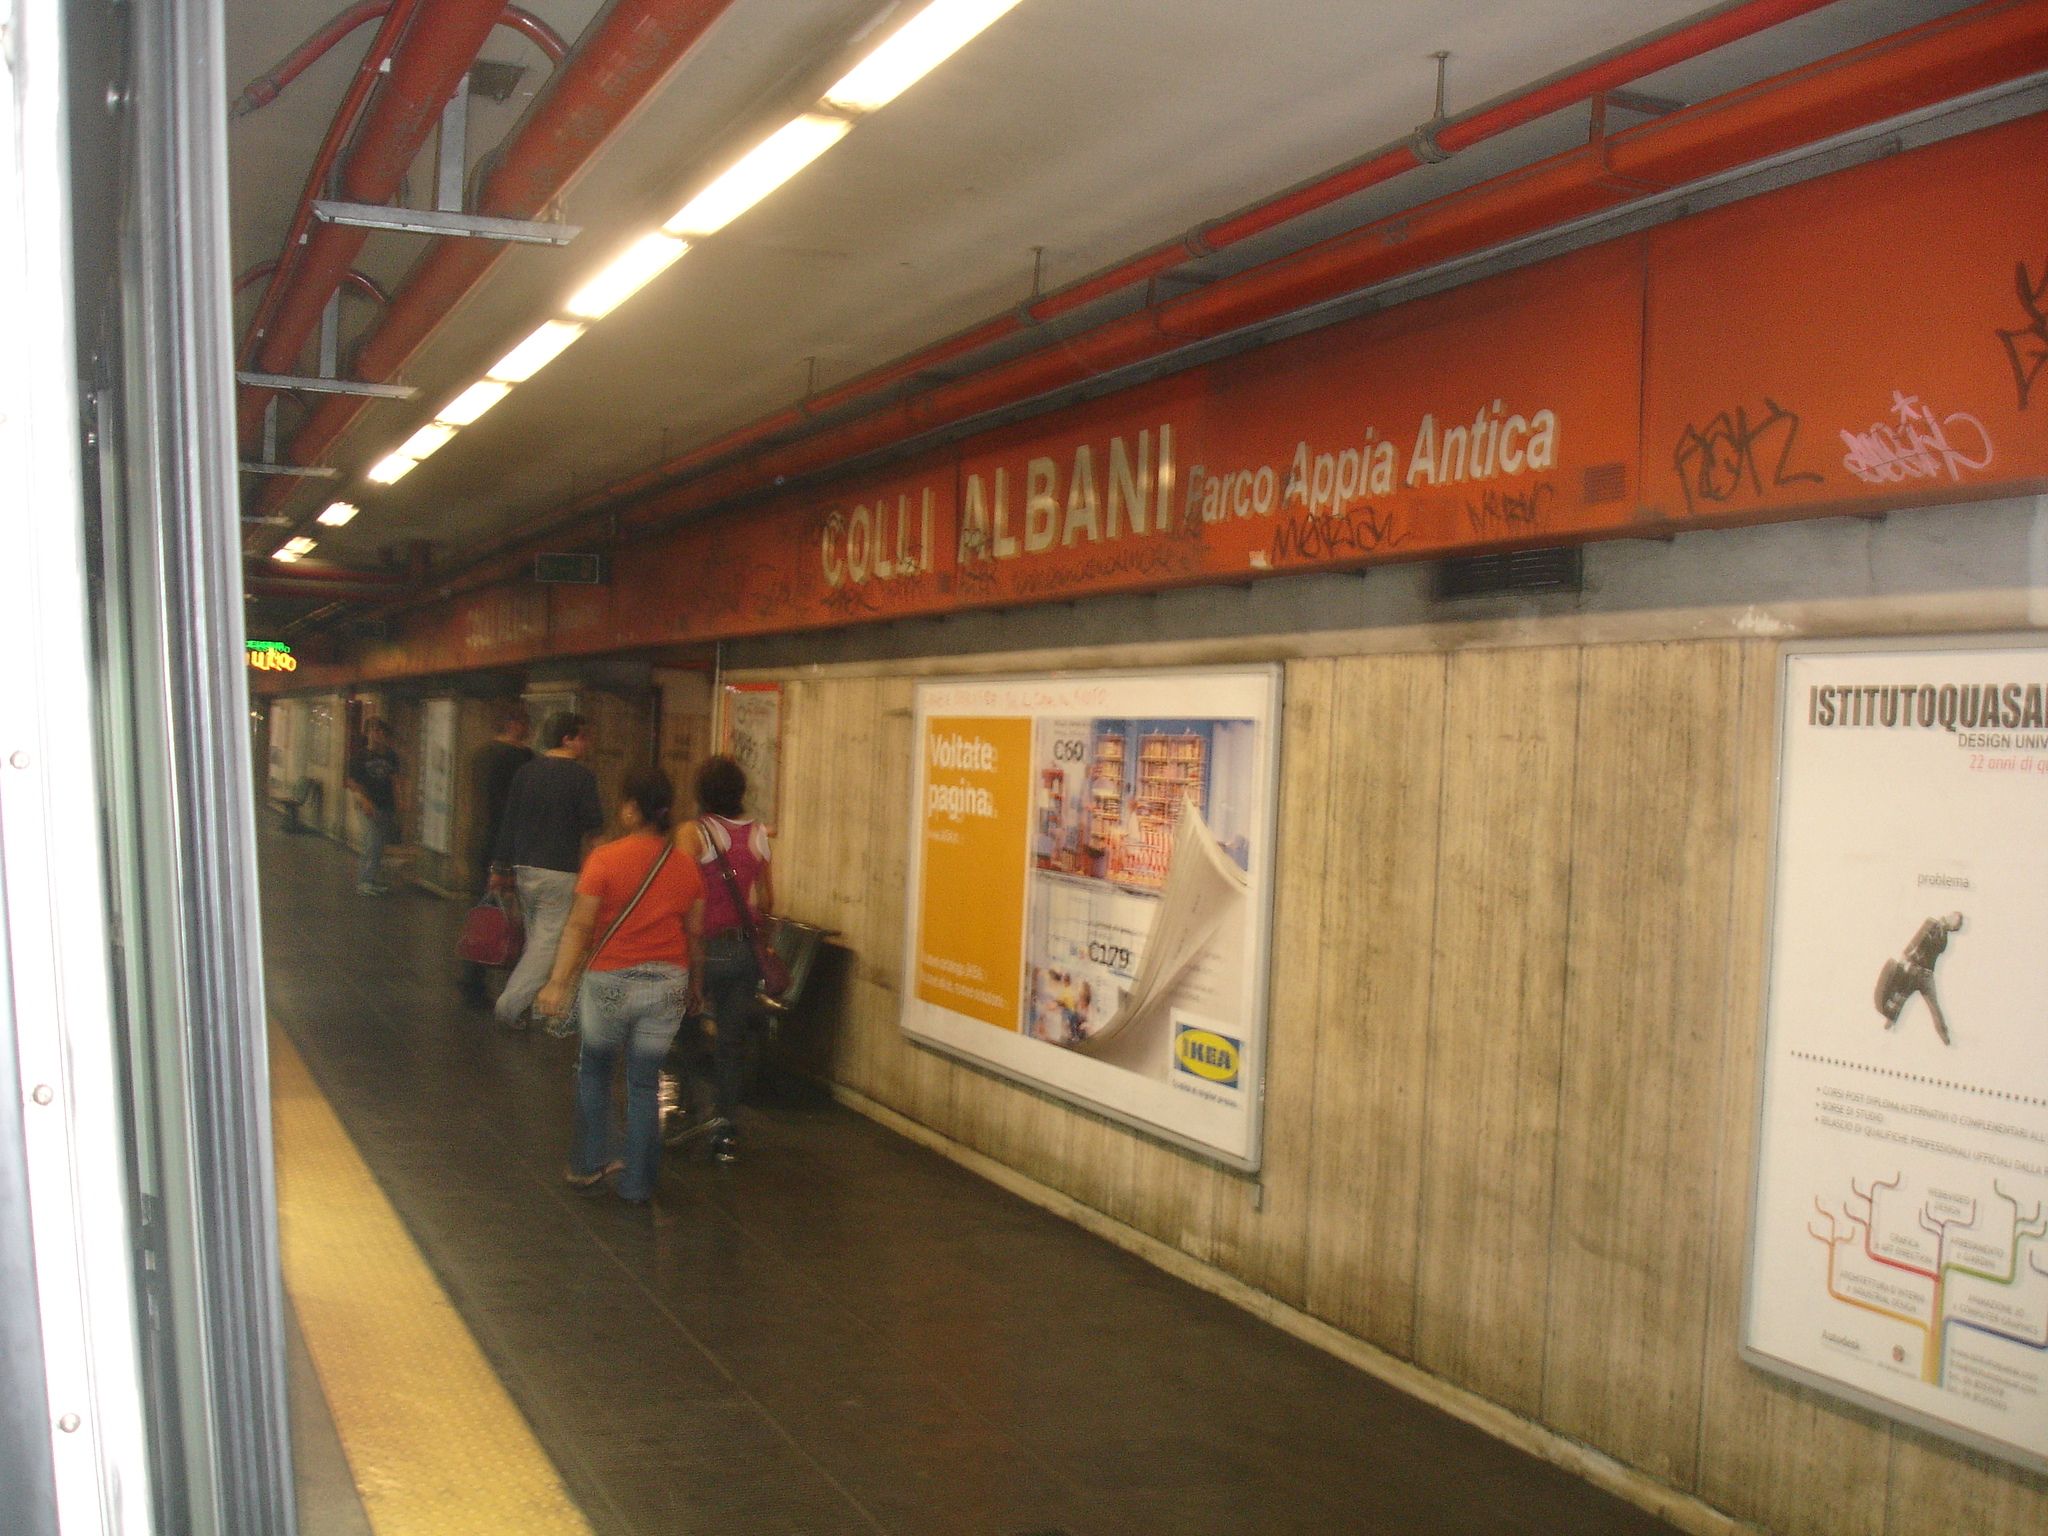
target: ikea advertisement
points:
(1091, 891)
(1899, 1246)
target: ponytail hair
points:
(651, 791)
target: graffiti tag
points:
(1916, 444)
(1716, 461)
(2027, 348)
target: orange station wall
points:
(1873, 338)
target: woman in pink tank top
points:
(732, 854)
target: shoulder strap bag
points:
(668, 846)
(774, 974)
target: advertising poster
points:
(437, 775)
(1091, 889)
(1899, 1238)
(753, 739)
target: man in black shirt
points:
(551, 819)
(491, 773)
(373, 782)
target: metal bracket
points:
(427, 221)
(314, 384)
(304, 471)
(451, 155)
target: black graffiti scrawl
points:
(1735, 454)
(2027, 348)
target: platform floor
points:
(843, 1332)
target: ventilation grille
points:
(1525, 570)
(1605, 483)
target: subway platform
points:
(842, 1332)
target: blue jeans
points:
(730, 979)
(640, 1008)
(378, 829)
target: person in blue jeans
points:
(636, 894)
(373, 781)
(730, 850)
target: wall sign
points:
(1091, 890)
(271, 656)
(750, 732)
(1899, 1234)
(1739, 379)
(437, 775)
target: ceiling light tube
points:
(760, 171)
(429, 439)
(338, 513)
(631, 270)
(473, 402)
(392, 468)
(547, 343)
(301, 545)
(285, 555)
(913, 51)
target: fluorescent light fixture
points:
(392, 468)
(760, 171)
(429, 439)
(339, 513)
(473, 402)
(631, 270)
(912, 51)
(301, 545)
(285, 556)
(546, 344)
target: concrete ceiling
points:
(1087, 128)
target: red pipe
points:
(1953, 55)
(366, 286)
(266, 88)
(618, 66)
(338, 129)
(424, 72)
(1619, 68)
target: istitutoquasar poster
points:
(1091, 890)
(1899, 1240)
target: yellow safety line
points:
(435, 1444)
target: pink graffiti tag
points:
(1916, 444)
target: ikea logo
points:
(1206, 1054)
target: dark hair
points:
(560, 728)
(513, 716)
(722, 787)
(650, 789)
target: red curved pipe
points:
(339, 128)
(450, 270)
(435, 55)
(1953, 55)
(366, 286)
(266, 88)
(633, 49)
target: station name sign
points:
(271, 656)
(1646, 386)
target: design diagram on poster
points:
(1963, 1275)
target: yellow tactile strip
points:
(434, 1443)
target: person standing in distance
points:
(373, 781)
(731, 852)
(552, 818)
(491, 773)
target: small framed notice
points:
(750, 732)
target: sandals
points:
(587, 1181)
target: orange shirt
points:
(654, 932)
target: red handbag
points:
(490, 934)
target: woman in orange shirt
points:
(636, 985)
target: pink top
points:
(746, 849)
